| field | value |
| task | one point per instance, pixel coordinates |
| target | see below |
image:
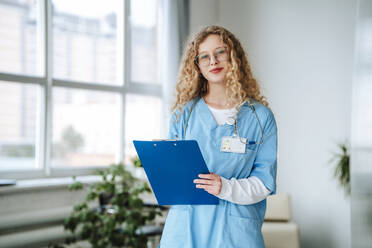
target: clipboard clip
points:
(175, 144)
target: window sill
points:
(46, 183)
(54, 173)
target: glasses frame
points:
(214, 55)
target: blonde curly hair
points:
(240, 84)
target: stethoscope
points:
(233, 121)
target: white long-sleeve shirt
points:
(240, 191)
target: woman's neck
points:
(216, 95)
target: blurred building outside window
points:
(96, 106)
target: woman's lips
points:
(216, 70)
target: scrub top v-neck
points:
(226, 224)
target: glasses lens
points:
(221, 54)
(203, 59)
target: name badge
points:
(233, 144)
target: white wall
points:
(302, 54)
(203, 13)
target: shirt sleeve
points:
(175, 127)
(265, 163)
(243, 191)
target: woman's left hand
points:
(211, 183)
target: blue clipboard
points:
(171, 167)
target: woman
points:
(219, 104)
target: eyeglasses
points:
(220, 54)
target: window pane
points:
(85, 127)
(145, 41)
(142, 121)
(84, 40)
(19, 44)
(19, 115)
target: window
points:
(20, 51)
(85, 127)
(85, 41)
(145, 42)
(143, 120)
(19, 111)
(77, 84)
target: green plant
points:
(136, 162)
(120, 215)
(342, 169)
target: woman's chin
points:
(216, 80)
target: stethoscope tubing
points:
(236, 126)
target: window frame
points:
(43, 141)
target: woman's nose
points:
(213, 60)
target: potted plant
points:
(120, 215)
(342, 169)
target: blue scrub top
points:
(226, 224)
